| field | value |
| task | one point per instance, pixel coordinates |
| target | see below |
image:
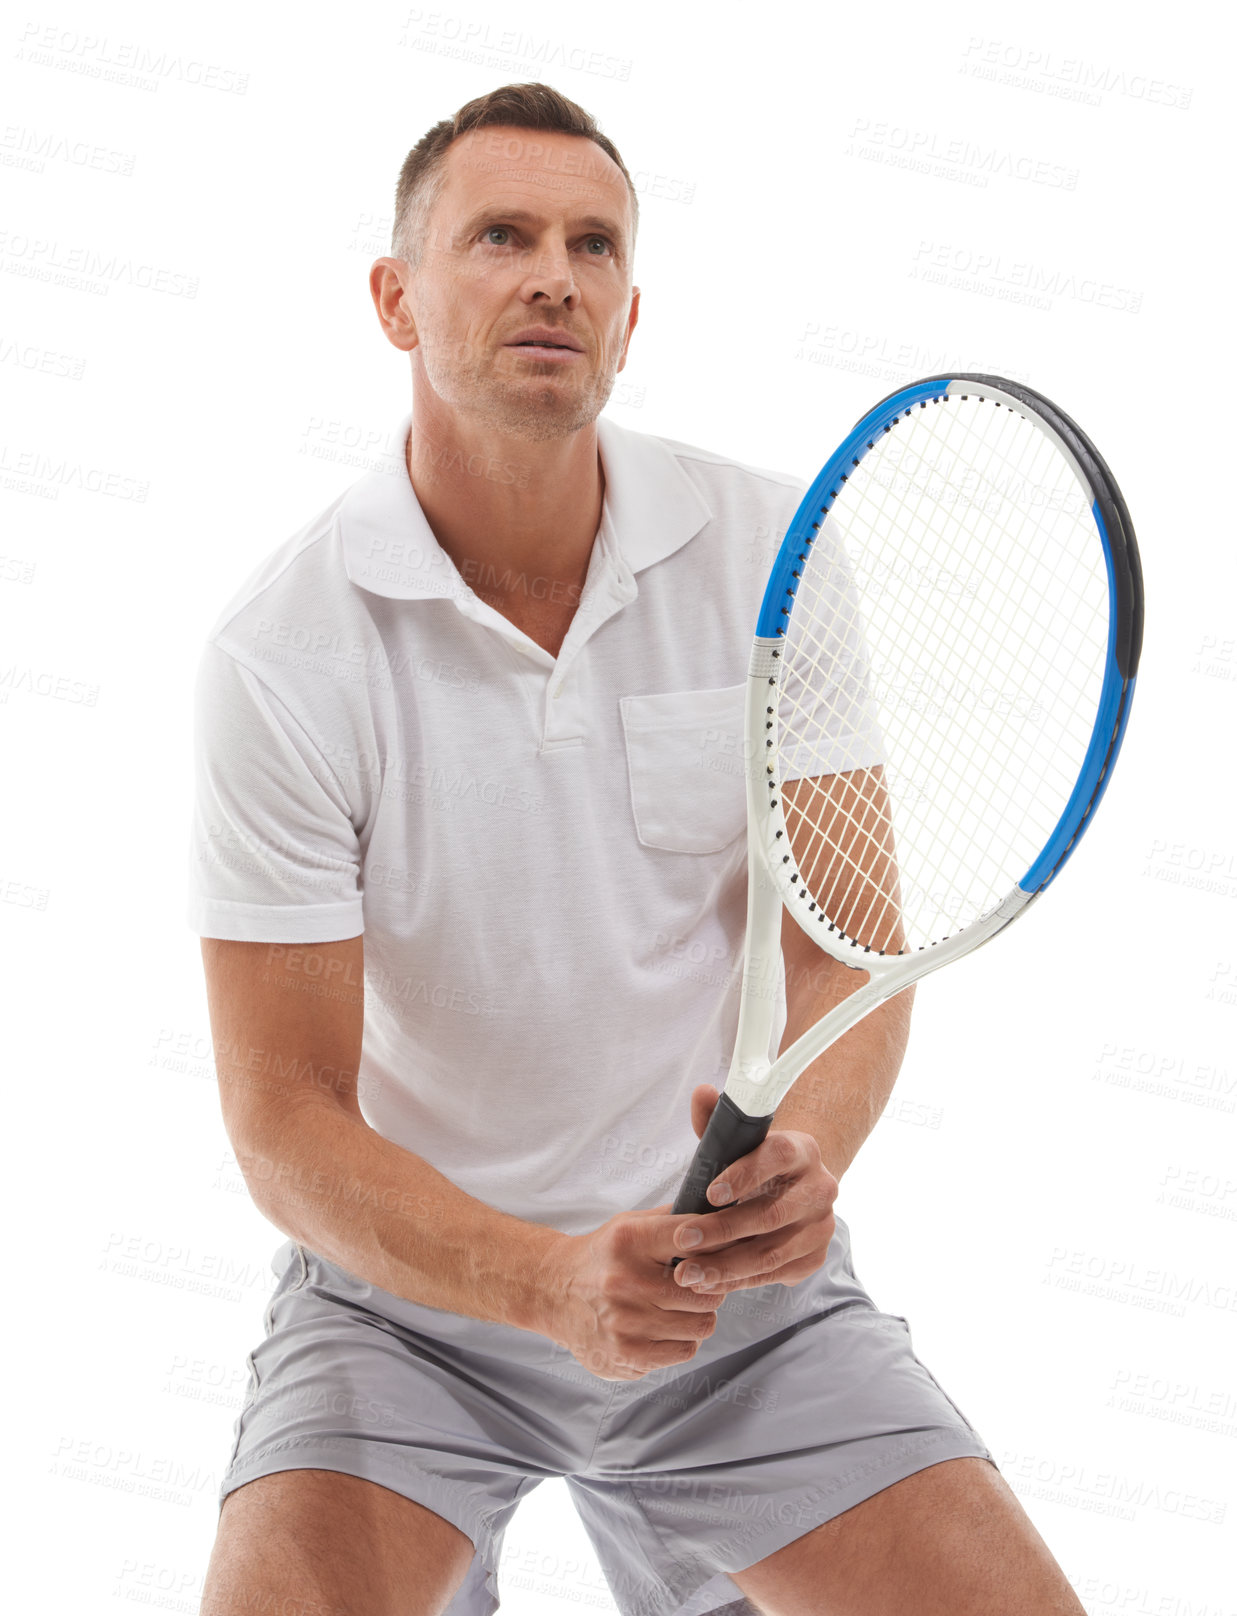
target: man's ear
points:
(389, 283)
(633, 315)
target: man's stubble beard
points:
(519, 410)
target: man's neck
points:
(517, 518)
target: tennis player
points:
(469, 867)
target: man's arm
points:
(840, 830)
(287, 1060)
(839, 1098)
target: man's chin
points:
(539, 414)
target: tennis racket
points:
(939, 686)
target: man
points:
(470, 876)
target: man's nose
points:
(550, 276)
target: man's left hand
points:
(778, 1222)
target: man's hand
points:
(610, 1302)
(777, 1220)
(612, 1298)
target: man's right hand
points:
(610, 1303)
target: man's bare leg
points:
(328, 1544)
(950, 1540)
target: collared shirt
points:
(546, 855)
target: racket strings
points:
(851, 859)
(944, 655)
(841, 848)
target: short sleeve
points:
(274, 856)
(827, 709)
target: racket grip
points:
(731, 1133)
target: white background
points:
(831, 207)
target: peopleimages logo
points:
(1071, 78)
(1016, 280)
(953, 157)
(32, 150)
(80, 267)
(126, 62)
(41, 472)
(1105, 1492)
(482, 44)
(1119, 1279)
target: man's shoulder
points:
(709, 465)
(704, 466)
(287, 577)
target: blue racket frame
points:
(1116, 535)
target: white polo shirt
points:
(546, 855)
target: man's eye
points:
(597, 245)
(498, 235)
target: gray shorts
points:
(805, 1400)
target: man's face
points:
(530, 238)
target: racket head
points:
(948, 646)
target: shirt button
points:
(557, 692)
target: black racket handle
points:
(731, 1133)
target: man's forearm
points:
(330, 1182)
(840, 1097)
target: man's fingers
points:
(761, 1214)
(755, 1262)
(683, 1299)
(781, 1157)
(673, 1297)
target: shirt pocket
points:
(685, 768)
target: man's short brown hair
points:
(514, 106)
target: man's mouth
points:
(544, 343)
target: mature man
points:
(469, 872)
